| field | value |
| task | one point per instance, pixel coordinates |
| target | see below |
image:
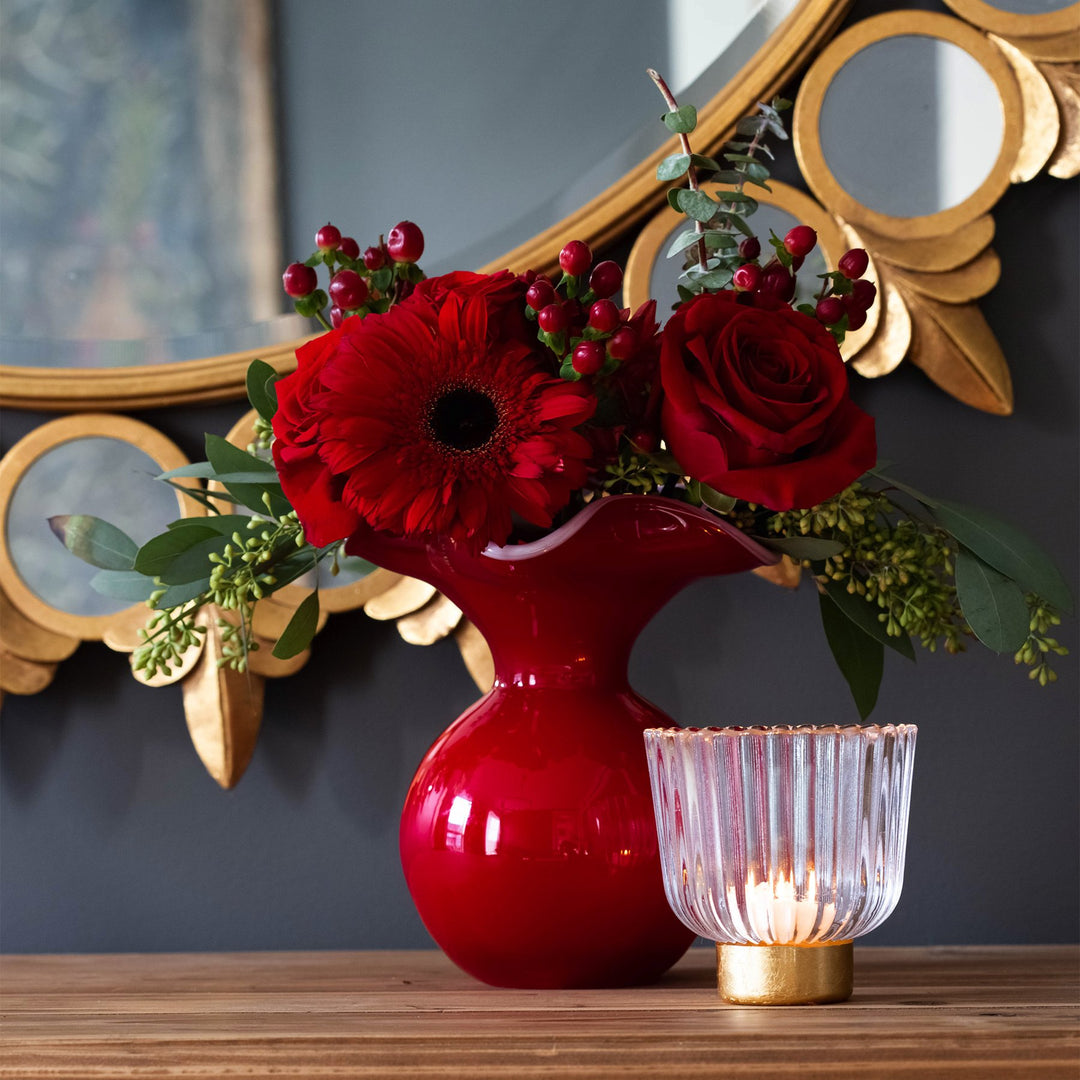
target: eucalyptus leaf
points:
(158, 553)
(95, 541)
(865, 616)
(296, 637)
(993, 604)
(861, 658)
(1006, 549)
(804, 547)
(716, 500)
(672, 167)
(227, 458)
(750, 125)
(259, 382)
(673, 198)
(682, 121)
(123, 585)
(225, 524)
(685, 239)
(194, 563)
(703, 162)
(175, 595)
(696, 204)
(203, 470)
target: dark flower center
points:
(464, 419)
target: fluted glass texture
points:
(783, 836)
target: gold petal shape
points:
(122, 634)
(223, 709)
(1041, 127)
(890, 344)
(476, 654)
(407, 596)
(1055, 48)
(933, 254)
(437, 618)
(21, 676)
(787, 573)
(262, 661)
(1064, 82)
(22, 637)
(956, 348)
(959, 286)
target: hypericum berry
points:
(552, 319)
(606, 279)
(299, 280)
(604, 316)
(328, 238)
(801, 240)
(863, 293)
(645, 440)
(622, 344)
(796, 262)
(539, 294)
(374, 258)
(575, 258)
(337, 317)
(589, 357)
(747, 277)
(750, 248)
(853, 263)
(777, 282)
(856, 315)
(405, 242)
(349, 248)
(348, 290)
(830, 310)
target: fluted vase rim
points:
(694, 734)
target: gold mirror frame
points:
(599, 222)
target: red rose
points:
(756, 403)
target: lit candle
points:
(773, 913)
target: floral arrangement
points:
(490, 408)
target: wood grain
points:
(972, 1013)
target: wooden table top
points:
(976, 1013)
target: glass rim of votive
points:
(785, 730)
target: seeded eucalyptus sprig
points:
(713, 250)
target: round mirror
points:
(909, 123)
(142, 221)
(1021, 18)
(98, 465)
(915, 108)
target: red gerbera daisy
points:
(429, 428)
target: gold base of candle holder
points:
(784, 974)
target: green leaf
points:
(95, 541)
(804, 547)
(227, 458)
(716, 240)
(194, 563)
(993, 605)
(296, 637)
(158, 553)
(672, 167)
(695, 204)
(861, 658)
(750, 125)
(865, 616)
(226, 524)
(703, 162)
(381, 279)
(742, 159)
(684, 240)
(123, 585)
(260, 380)
(1006, 549)
(176, 595)
(716, 500)
(201, 469)
(682, 121)
(718, 279)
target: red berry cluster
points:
(577, 318)
(359, 283)
(845, 296)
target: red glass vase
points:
(528, 838)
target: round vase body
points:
(528, 838)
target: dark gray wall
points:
(112, 836)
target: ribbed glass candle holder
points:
(782, 836)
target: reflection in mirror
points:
(108, 478)
(1031, 7)
(139, 197)
(917, 107)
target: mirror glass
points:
(665, 272)
(911, 125)
(141, 145)
(108, 478)
(1031, 7)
